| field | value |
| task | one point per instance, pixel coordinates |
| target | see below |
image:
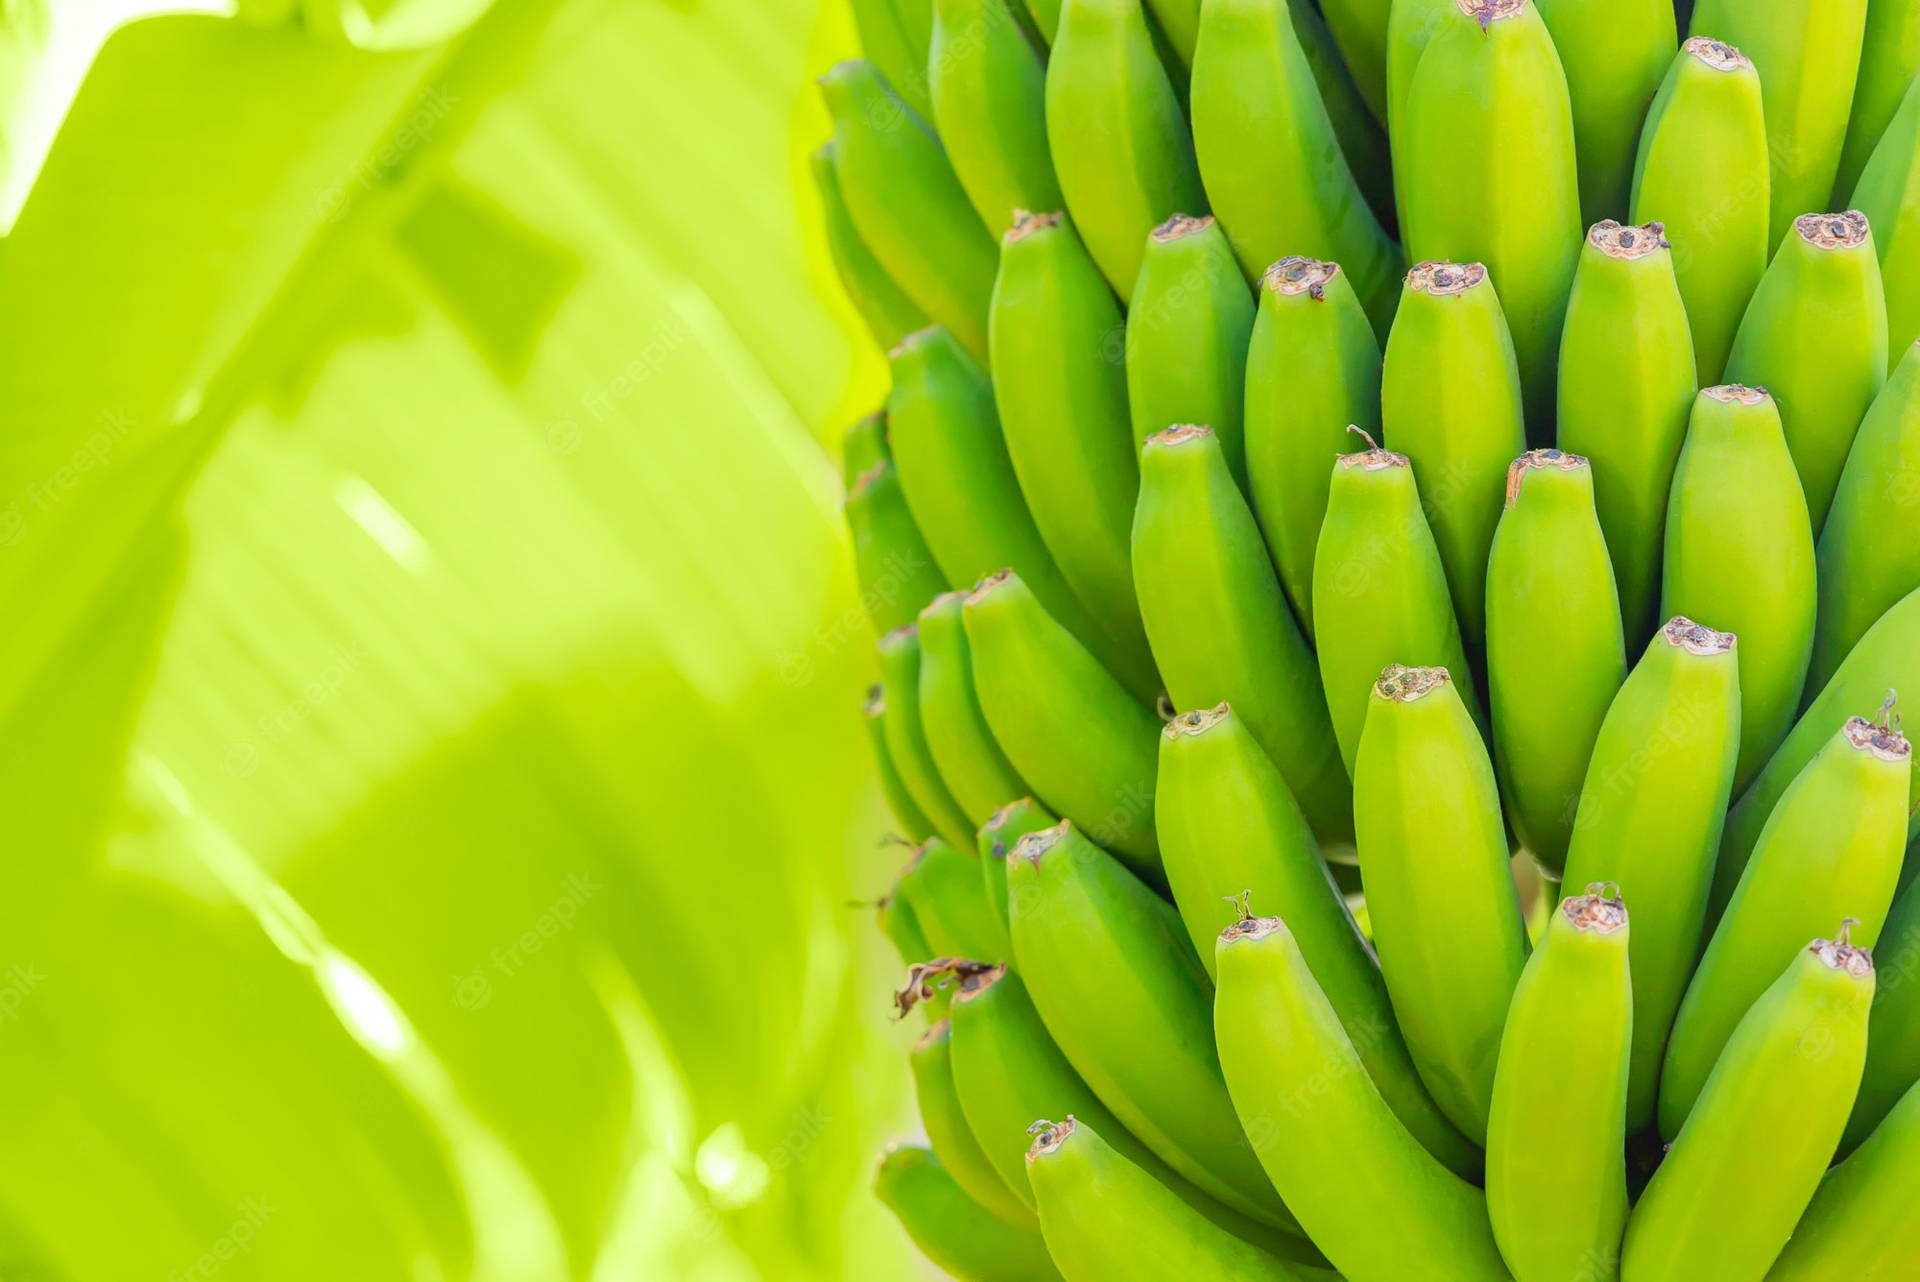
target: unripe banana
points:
(1815, 336)
(1869, 551)
(1309, 319)
(998, 835)
(1360, 128)
(1187, 336)
(1120, 143)
(907, 737)
(948, 896)
(1379, 590)
(1381, 1207)
(1626, 386)
(1046, 18)
(1739, 556)
(895, 567)
(1450, 401)
(896, 920)
(1410, 25)
(916, 26)
(1068, 728)
(989, 90)
(1556, 1172)
(1832, 847)
(1106, 1220)
(1649, 821)
(863, 444)
(884, 40)
(1219, 624)
(1808, 55)
(1226, 823)
(1893, 1031)
(1745, 1165)
(884, 307)
(971, 764)
(1115, 978)
(1359, 30)
(1273, 167)
(1701, 173)
(1864, 1222)
(1889, 60)
(1445, 914)
(1615, 56)
(952, 1229)
(906, 811)
(1490, 175)
(1059, 348)
(909, 208)
(1550, 593)
(946, 1125)
(1888, 193)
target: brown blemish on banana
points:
(1880, 735)
(1051, 1135)
(1533, 460)
(1840, 952)
(1180, 225)
(1443, 279)
(1296, 275)
(1683, 633)
(910, 341)
(1403, 684)
(924, 979)
(1197, 722)
(1179, 434)
(1600, 910)
(1737, 394)
(1626, 241)
(1026, 224)
(867, 479)
(936, 1031)
(1034, 846)
(900, 636)
(1833, 231)
(998, 820)
(1717, 54)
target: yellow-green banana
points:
(970, 762)
(1003, 828)
(931, 1061)
(907, 737)
(895, 567)
(952, 1229)
(884, 307)
(1864, 1222)
(1888, 193)
(906, 811)
(1615, 55)
(989, 91)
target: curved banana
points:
(1445, 914)
(1359, 30)
(1615, 56)
(1359, 124)
(952, 1229)
(884, 307)
(1309, 319)
(1750, 1156)
(1410, 25)
(1893, 1031)
(1550, 592)
(1227, 824)
(863, 444)
(931, 1061)
(944, 888)
(1006, 826)
(989, 91)
(1450, 400)
(1626, 387)
(1381, 1207)
(884, 40)
(906, 733)
(891, 560)
(970, 762)
(1739, 556)
(1888, 193)
(1889, 60)
(1863, 1223)
(1219, 625)
(906, 811)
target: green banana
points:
(1360, 128)
(989, 90)
(1046, 18)
(1219, 624)
(944, 888)
(1815, 336)
(1066, 725)
(884, 39)
(1739, 556)
(1410, 25)
(1360, 32)
(998, 834)
(1863, 1223)
(1381, 1207)
(1113, 975)
(1433, 857)
(909, 208)
(1186, 341)
(1550, 592)
(863, 444)
(1106, 1220)
(895, 567)
(1379, 590)
(884, 307)
(1869, 550)
(1626, 386)
(907, 737)
(1832, 846)
(1893, 1031)
(1120, 143)
(1309, 319)
(1889, 60)
(1490, 176)
(931, 1061)
(1808, 56)
(1273, 166)
(950, 1228)
(897, 923)
(1649, 821)
(1701, 172)
(906, 811)
(1227, 821)
(1058, 376)
(971, 764)
(1615, 55)
(1450, 400)
(1745, 1165)
(1556, 1172)
(1889, 195)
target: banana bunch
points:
(1389, 691)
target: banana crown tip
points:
(1737, 394)
(1847, 230)
(925, 979)
(1626, 241)
(869, 478)
(1841, 953)
(1004, 815)
(918, 338)
(973, 984)
(1488, 12)
(939, 1031)
(1179, 434)
(980, 590)
(1880, 734)
(1403, 684)
(1248, 926)
(1197, 722)
(875, 704)
(1296, 275)
(1180, 226)
(1600, 910)
(1540, 460)
(1026, 224)
(1373, 458)
(1049, 1136)
(1034, 846)
(1717, 54)
(1683, 633)
(900, 636)
(1443, 279)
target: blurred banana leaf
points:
(427, 743)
